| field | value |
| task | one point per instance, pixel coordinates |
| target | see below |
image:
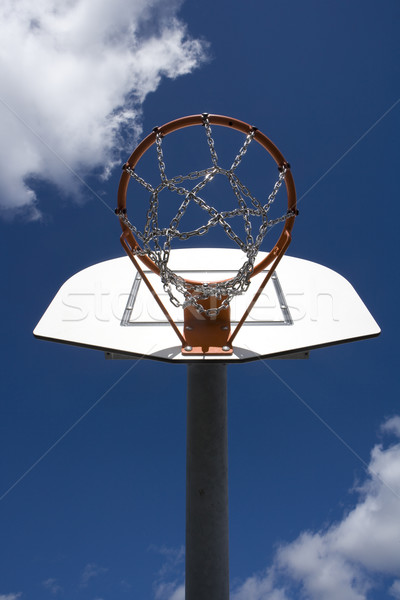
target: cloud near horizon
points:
(349, 559)
(74, 77)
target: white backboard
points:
(304, 306)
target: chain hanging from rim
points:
(159, 252)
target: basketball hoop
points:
(100, 307)
(206, 305)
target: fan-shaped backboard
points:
(304, 306)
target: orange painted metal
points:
(260, 289)
(224, 121)
(207, 335)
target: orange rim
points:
(230, 123)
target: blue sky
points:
(92, 496)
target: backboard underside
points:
(304, 306)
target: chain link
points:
(160, 157)
(243, 150)
(156, 242)
(207, 127)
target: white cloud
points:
(170, 590)
(167, 585)
(346, 559)
(178, 594)
(52, 585)
(324, 573)
(395, 589)
(392, 425)
(10, 596)
(260, 587)
(74, 76)
(91, 571)
(173, 559)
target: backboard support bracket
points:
(207, 335)
(128, 249)
(279, 252)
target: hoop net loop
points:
(153, 245)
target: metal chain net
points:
(156, 242)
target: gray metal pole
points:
(207, 523)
